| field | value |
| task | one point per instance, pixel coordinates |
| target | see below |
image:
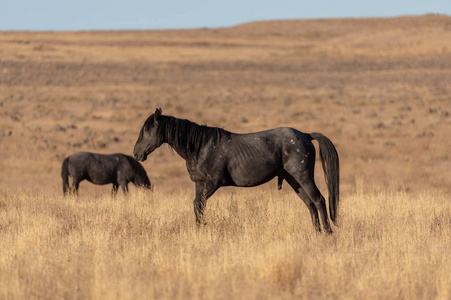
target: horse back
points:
(278, 141)
(97, 168)
(78, 164)
(247, 159)
(255, 158)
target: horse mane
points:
(188, 137)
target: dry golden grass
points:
(258, 244)
(378, 88)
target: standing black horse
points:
(216, 157)
(118, 169)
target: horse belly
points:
(253, 175)
(102, 175)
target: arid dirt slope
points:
(380, 89)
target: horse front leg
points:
(279, 182)
(115, 189)
(203, 192)
(124, 187)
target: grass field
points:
(378, 88)
(257, 244)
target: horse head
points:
(141, 180)
(149, 138)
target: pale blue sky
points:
(172, 14)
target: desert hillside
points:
(378, 88)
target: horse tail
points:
(331, 168)
(65, 174)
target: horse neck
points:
(169, 133)
(140, 177)
(184, 136)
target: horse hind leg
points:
(66, 188)
(312, 191)
(311, 207)
(306, 199)
(75, 185)
(303, 173)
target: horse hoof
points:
(199, 223)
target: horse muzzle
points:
(140, 157)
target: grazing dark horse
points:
(216, 157)
(118, 169)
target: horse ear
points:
(157, 115)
